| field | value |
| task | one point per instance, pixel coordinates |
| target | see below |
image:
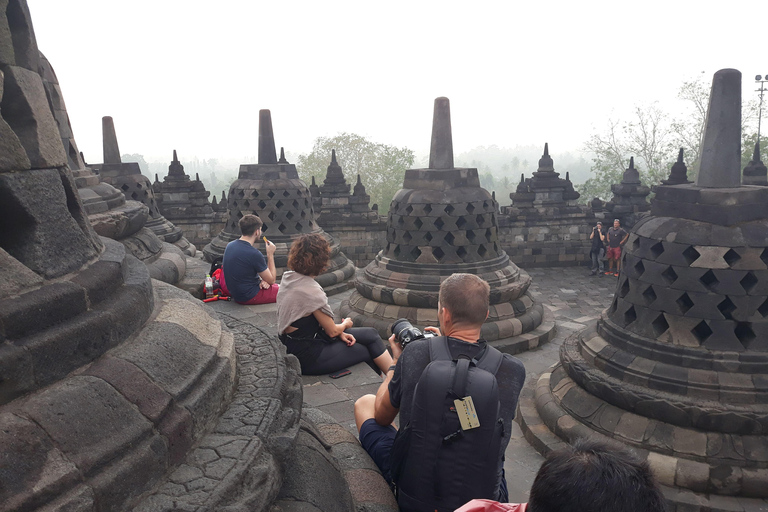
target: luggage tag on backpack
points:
(465, 408)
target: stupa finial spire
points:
(267, 153)
(109, 138)
(441, 151)
(721, 145)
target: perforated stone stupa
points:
(442, 222)
(677, 366)
(109, 213)
(126, 176)
(272, 190)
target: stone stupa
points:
(442, 222)
(107, 378)
(126, 176)
(272, 190)
(630, 198)
(184, 202)
(109, 212)
(677, 367)
(756, 173)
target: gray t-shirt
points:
(615, 236)
(415, 358)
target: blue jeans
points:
(597, 260)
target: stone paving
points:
(574, 298)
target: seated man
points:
(247, 277)
(589, 475)
(455, 466)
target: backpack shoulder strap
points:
(438, 349)
(491, 360)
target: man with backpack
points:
(456, 396)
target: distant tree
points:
(139, 159)
(515, 164)
(654, 139)
(487, 181)
(381, 167)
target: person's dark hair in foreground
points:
(595, 476)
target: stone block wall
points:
(200, 232)
(536, 239)
(361, 244)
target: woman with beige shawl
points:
(305, 320)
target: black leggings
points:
(337, 355)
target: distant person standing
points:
(597, 252)
(616, 238)
(246, 275)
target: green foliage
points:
(381, 167)
(135, 157)
(654, 139)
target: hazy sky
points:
(192, 75)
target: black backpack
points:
(435, 464)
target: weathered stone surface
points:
(720, 165)
(87, 435)
(25, 108)
(38, 227)
(17, 277)
(31, 467)
(7, 54)
(441, 150)
(315, 478)
(111, 149)
(12, 154)
(673, 366)
(24, 45)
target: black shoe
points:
(593, 273)
(600, 274)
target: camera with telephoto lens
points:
(405, 332)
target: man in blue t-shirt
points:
(247, 277)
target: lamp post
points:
(759, 79)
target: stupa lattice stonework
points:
(273, 191)
(442, 222)
(676, 366)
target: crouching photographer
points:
(455, 425)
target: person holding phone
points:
(305, 322)
(597, 251)
(247, 276)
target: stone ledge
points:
(241, 463)
(107, 432)
(537, 432)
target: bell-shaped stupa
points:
(107, 378)
(442, 222)
(272, 190)
(126, 176)
(676, 366)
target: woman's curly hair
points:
(309, 254)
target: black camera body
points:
(405, 332)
